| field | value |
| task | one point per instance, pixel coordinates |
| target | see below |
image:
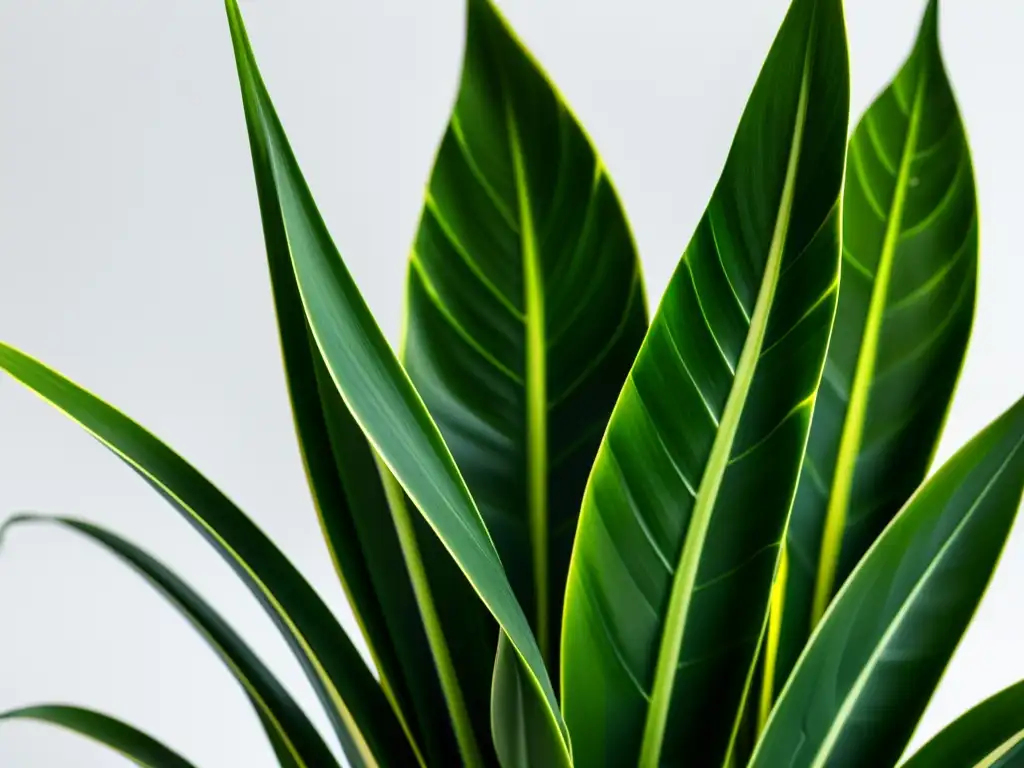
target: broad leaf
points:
(856, 694)
(144, 750)
(686, 507)
(906, 302)
(375, 387)
(991, 735)
(359, 712)
(525, 310)
(284, 721)
(347, 490)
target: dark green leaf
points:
(988, 736)
(362, 717)
(906, 303)
(688, 500)
(519, 728)
(856, 694)
(285, 758)
(133, 744)
(525, 310)
(375, 387)
(348, 493)
(285, 722)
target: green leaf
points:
(990, 735)
(906, 303)
(519, 729)
(856, 694)
(348, 493)
(133, 744)
(358, 710)
(525, 309)
(375, 387)
(283, 719)
(689, 497)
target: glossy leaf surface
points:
(358, 709)
(283, 719)
(869, 670)
(525, 309)
(133, 744)
(375, 387)
(906, 303)
(688, 500)
(347, 489)
(991, 735)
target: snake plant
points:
(575, 536)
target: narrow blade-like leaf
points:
(856, 693)
(375, 387)
(688, 500)
(990, 735)
(361, 715)
(525, 309)
(284, 720)
(521, 736)
(906, 302)
(347, 489)
(133, 744)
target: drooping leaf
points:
(347, 489)
(130, 742)
(358, 710)
(990, 735)
(378, 392)
(287, 726)
(688, 500)
(906, 302)
(525, 310)
(861, 685)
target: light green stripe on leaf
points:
(853, 427)
(725, 438)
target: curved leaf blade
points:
(689, 497)
(521, 736)
(286, 724)
(906, 305)
(133, 744)
(987, 736)
(525, 309)
(347, 491)
(359, 712)
(859, 688)
(375, 387)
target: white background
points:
(131, 258)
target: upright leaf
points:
(688, 500)
(347, 490)
(906, 302)
(856, 694)
(377, 391)
(358, 710)
(286, 724)
(525, 309)
(991, 735)
(141, 749)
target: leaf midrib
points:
(535, 390)
(707, 493)
(856, 413)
